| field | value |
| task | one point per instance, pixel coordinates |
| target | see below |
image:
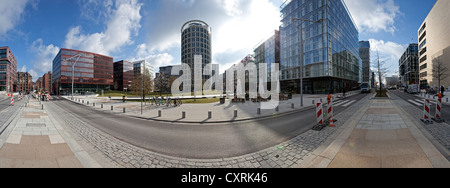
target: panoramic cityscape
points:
(245, 84)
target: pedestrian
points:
(442, 90)
(343, 91)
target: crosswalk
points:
(344, 103)
(419, 102)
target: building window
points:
(424, 58)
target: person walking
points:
(343, 91)
(442, 90)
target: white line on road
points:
(348, 104)
(416, 103)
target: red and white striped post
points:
(12, 100)
(48, 96)
(330, 110)
(319, 113)
(426, 112)
(438, 117)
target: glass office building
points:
(93, 72)
(331, 47)
(196, 40)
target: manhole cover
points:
(35, 124)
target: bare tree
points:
(381, 69)
(162, 83)
(142, 84)
(440, 71)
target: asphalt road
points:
(445, 113)
(207, 141)
(5, 102)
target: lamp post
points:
(73, 68)
(301, 55)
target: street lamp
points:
(301, 55)
(73, 68)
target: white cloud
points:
(390, 53)
(237, 25)
(122, 25)
(23, 69)
(374, 15)
(43, 57)
(155, 59)
(34, 75)
(11, 13)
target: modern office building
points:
(330, 47)
(141, 66)
(268, 52)
(8, 70)
(434, 44)
(93, 72)
(409, 66)
(196, 40)
(24, 82)
(123, 75)
(364, 54)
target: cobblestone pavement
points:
(121, 154)
(439, 131)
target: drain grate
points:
(35, 124)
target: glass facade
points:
(123, 75)
(409, 66)
(93, 72)
(364, 54)
(331, 47)
(196, 40)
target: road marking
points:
(351, 102)
(339, 103)
(415, 103)
(421, 101)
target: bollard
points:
(93, 104)
(112, 108)
(87, 102)
(292, 105)
(209, 114)
(83, 101)
(426, 112)
(258, 111)
(277, 109)
(319, 113)
(159, 113)
(101, 106)
(313, 102)
(124, 110)
(42, 107)
(235, 113)
(183, 114)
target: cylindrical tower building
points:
(196, 40)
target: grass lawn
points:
(127, 94)
(201, 101)
(188, 101)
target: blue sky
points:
(35, 30)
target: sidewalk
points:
(380, 135)
(196, 113)
(34, 139)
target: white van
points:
(413, 89)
